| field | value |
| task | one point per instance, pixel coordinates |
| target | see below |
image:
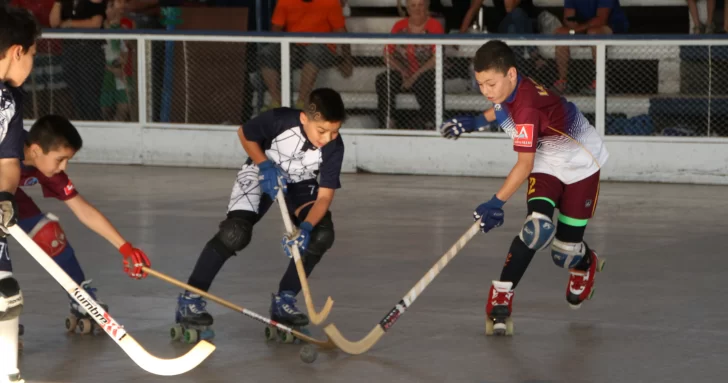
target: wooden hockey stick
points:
(363, 345)
(136, 352)
(315, 317)
(326, 345)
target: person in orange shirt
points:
(410, 68)
(312, 16)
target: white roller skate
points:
(79, 318)
(192, 319)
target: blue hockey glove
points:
(490, 214)
(453, 128)
(268, 176)
(299, 238)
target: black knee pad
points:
(322, 238)
(234, 235)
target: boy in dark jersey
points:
(295, 147)
(18, 32)
(560, 154)
(50, 144)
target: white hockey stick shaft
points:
(136, 352)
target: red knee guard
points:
(49, 235)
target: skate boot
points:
(284, 311)
(79, 317)
(581, 283)
(498, 309)
(192, 319)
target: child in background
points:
(117, 83)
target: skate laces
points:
(195, 304)
(90, 290)
(502, 297)
(578, 279)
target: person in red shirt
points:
(313, 16)
(51, 142)
(411, 68)
(561, 155)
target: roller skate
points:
(284, 311)
(581, 282)
(192, 321)
(79, 318)
(498, 309)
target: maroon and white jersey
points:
(567, 146)
(59, 187)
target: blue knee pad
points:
(567, 254)
(48, 234)
(538, 231)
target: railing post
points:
(439, 88)
(600, 107)
(142, 80)
(285, 73)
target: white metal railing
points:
(601, 100)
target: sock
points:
(290, 280)
(208, 265)
(519, 257)
(68, 262)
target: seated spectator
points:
(412, 68)
(592, 17)
(315, 16)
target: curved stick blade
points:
(166, 367)
(317, 318)
(354, 348)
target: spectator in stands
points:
(592, 17)
(117, 82)
(698, 27)
(410, 68)
(315, 16)
(83, 60)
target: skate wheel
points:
(308, 353)
(270, 333)
(85, 326)
(488, 326)
(287, 337)
(176, 332)
(509, 326)
(71, 322)
(191, 336)
(600, 265)
(207, 334)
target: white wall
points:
(642, 159)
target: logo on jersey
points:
(69, 188)
(30, 181)
(524, 135)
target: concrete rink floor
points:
(658, 314)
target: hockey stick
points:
(363, 345)
(315, 317)
(326, 345)
(136, 352)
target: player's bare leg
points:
(272, 80)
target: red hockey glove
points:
(134, 260)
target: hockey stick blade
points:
(137, 353)
(324, 345)
(314, 316)
(366, 343)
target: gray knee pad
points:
(538, 231)
(234, 234)
(322, 238)
(11, 299)
(567, 254)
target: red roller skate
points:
(581, 283)
(498, 309)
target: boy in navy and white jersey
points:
(296, 147)
(18, 33)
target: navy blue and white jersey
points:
(280, 134)
(12, 135)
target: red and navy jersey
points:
(539, 121)
(12, 139)
(59, 187)
(280, 134)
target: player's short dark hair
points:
(51, 132)
(494, 55)
(326, 104)
(17, 27)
